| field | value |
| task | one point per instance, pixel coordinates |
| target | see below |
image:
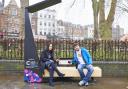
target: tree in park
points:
(102, 23)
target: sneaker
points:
(81, 83)
(86, 84)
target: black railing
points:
(12, 49)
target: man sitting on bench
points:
(82, 59)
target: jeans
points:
(90, 70)
(52, 67)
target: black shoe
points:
(61, 75)
(51, 83)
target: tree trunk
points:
(95, 6)
(106, 25)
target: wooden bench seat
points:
(73, 72)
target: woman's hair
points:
(49, 45)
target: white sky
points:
(80, 13)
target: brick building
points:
(71, 31)
(1, 18)
(11, 20)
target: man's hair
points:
(75, 44)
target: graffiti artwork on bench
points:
(30, 53)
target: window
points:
(40, 15)
(40, 33)
(45, 16)
(49, 16)
(15, 31)
(49, 33)
(53, 25)
(44, 33)
(49, 24)
(53, 16)
(45, 24)
(53, 30)
(36, 33)
(40, 23)
(59, 29)
(14, 12)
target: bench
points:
(73, 72)
(70, 71)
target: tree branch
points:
(111, 14)
(124, 9)
(73, 3)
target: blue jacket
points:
(86, 57)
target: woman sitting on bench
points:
(47, 59)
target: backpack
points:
(31, 77)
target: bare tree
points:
(102, 23)
(95, 6)
(105, 25)
(123, 5)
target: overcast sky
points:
(80, 13)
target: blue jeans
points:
(90, 70)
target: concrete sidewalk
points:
(16, 82)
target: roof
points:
(13, 2)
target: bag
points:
(30, 76)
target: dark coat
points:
(46, 55)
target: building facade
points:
(1, 18)
(46, 22)
(117, 32)
(11, 20)
(70, 31)
(89, 34)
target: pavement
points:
(8, 81)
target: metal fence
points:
(104, 50)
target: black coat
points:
(46, 55)
(43, 58)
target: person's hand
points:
(57, 60)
